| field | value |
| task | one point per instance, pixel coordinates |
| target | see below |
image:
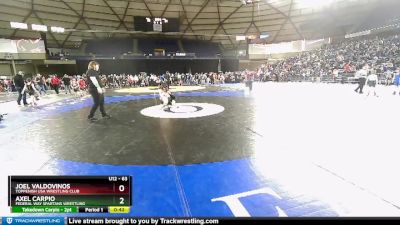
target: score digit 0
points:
(121, 188)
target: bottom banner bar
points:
(140, 221)
(213, 221)
(169, 221)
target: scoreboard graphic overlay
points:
(70, 194)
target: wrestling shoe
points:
(106, 116)
(92, 119)
(165, 107)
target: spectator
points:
(372, 81)
(55, 83)
(396, 82)
(67, 84)
(40, 81)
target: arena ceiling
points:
(216, 20)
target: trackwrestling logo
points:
(33, 220)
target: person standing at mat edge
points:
(362, 77)
(249, 79)
(96, 90)
(19, 85)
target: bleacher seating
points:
(201, 48)
(114, 46)
(147, 46)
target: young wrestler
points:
(31, 90)
(166, 97)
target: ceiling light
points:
(39, 27)
(57, 29)
(17, 25)
(240, 38)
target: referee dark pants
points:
(21, 96)
(250, 85)
(361, 83)
(98, 100)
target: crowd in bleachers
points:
(6, 85)
(133, 80)
(345, 57)
(77, 83)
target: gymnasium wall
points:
(57, 69)
(5, 70)
(27, 68)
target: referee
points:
(96, 90)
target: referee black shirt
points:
(93, 73)
(19, 81)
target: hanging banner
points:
(22, 46)
(29, 46)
